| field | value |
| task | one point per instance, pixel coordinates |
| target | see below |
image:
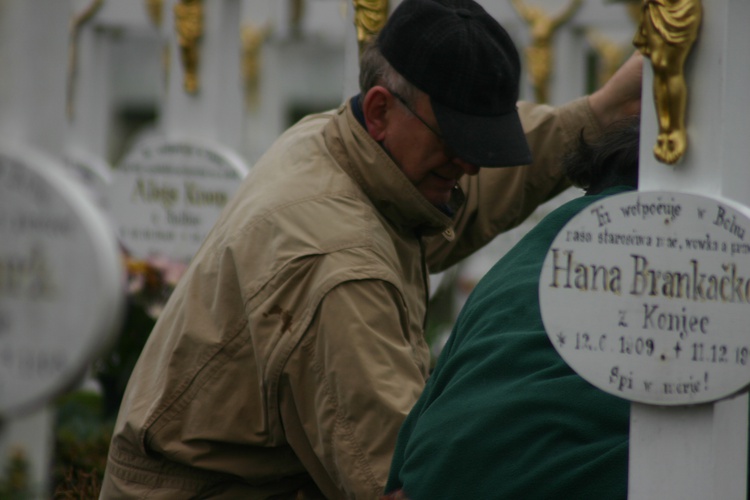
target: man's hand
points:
(620, 97)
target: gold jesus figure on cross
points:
(666, 34)
(369, 18)
(539, 52)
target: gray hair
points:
(374, 70)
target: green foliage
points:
(14, 482)
(81, 444)
(113, 370)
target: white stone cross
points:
(664, 276)
(701, 452)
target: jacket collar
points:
(380, 178)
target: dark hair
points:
(609, 160)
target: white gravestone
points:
(167, 194)
(92, 172)
(660, 282)
(61, 281)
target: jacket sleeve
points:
(348, 386)
(499, 199)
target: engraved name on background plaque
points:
(167, 193)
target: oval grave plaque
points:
(167, 193)
(61, 280)
(646, 295)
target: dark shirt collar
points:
(357, 110)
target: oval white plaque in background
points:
(646, 295)
(61, 280)
(167, 194)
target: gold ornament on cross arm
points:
(296, 16)
(539, 56)
(154, 10)
(253, 38)
(189, 26)
(369, 18)
(665, 35)
(77, 23)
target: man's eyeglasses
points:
(411, 110)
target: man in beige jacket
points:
(292, 349)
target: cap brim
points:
(485, 141)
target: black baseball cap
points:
(460, 56)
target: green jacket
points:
(503, 416)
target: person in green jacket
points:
(503, 416)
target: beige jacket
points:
(291, 351)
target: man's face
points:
(420, 153)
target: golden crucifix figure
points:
(154, 9)
(666, 34)
(634, 10)
(369, 18)
(539, 52)
(253, 38)
(296, 15)
(189, 25)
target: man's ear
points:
(375, 107)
